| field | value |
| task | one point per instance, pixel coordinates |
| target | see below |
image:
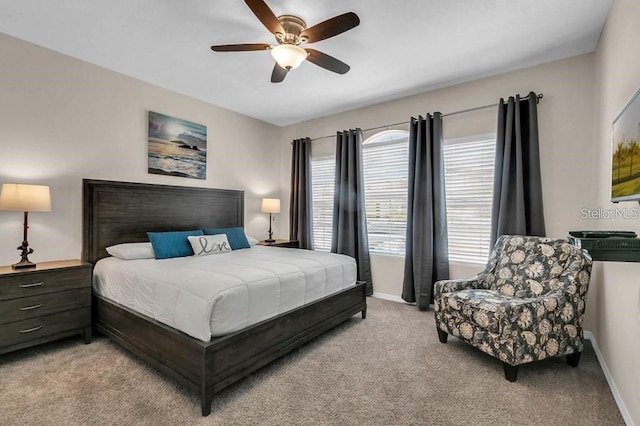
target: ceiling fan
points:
(290, 32)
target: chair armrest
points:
(447, 286)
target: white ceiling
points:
(401, 47)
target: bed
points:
(119, 212)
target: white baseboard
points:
(612, 385)
(391, 297)
(397, 299)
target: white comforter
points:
(218, 294)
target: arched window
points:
(468, 164)
(385, 161)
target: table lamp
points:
(25, 198)
(270, 205)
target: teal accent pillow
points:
(236, 236)
(172, 244)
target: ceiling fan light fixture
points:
(289, 56)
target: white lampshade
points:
(289, 56)
(25, 198)
(270, 205)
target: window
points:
(468, 165)
(468, 172)
(322, 187)
(385, 161)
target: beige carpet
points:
(389, 369)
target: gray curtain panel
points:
(517, 188)
(427, 252)
(300, 210)
(349, 218)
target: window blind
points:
(385, 162)
(469, 166)
(322, 189)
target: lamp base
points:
(23, 264)
(270, 239)
(25, 251)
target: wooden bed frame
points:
(118, 212)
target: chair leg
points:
(442, 335)
(510, 371)
(573, 359)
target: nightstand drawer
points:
(32, 284)
(44, 304)
(48, 325)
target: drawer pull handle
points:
(28, 308)
(29, 330)
(31, 285)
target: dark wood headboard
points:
(123, 212)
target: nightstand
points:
(281, 243)
(45, 303)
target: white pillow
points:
(204, 245)
(252, 241)
(131, 251)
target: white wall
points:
(62, 120)
(566, 133)
(615, 286)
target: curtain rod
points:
(524, 98)
(462, 111)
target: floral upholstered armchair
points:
(527, 305)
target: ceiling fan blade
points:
(265, 15)
(278, 74)
(327, 62)
(331, 27)
(240, 47)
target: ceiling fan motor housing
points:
(293, 27)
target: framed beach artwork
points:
(625, 153)
(177, 147)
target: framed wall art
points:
(625, 152)
(177, 147)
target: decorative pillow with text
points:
(204, 245)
